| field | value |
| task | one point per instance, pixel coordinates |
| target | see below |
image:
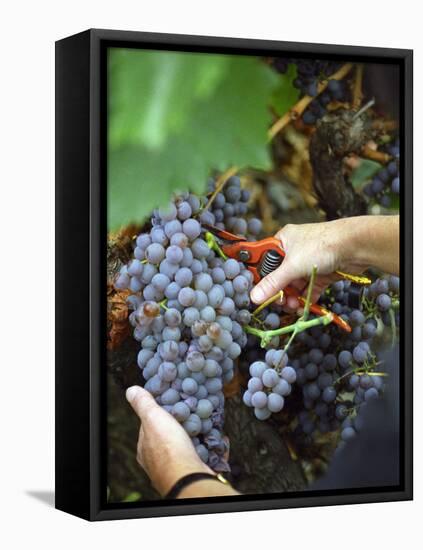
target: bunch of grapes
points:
(386, 183)
(271, 381)
(309, 74)
(185, 300)
(229, 208)
(338, 372)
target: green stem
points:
(163, 304)
(299, 326)
(278, 295)
(309, 291)
(393, 327)
(212, 243)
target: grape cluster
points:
(229, 208)
(185, 300)
(386, 183)
(271, 381)
(309, 74)
(337, 371)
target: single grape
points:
(204, 408)
(192, 425)
(191, 228)
(155, 253)
(190, 316)
(180, 411)
(240, 284)
(329, 394)
(195, 361)
(246, 398)
(200, 248)
(172, 227)
(189, 386)
(216, 295)
(383, 302)
(255, 384)
(262, 413)
(208, 314)
(289, 374)
(259, 399)
(203, 281)
(186, 296)
(275, 402)
(359, 354)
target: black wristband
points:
(190, 478)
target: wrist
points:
(167, 478)
(352, 234)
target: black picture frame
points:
(81, 171)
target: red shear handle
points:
(316, 309)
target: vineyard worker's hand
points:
(349, 244)
(165, 451)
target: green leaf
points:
(152, 93)
(364, 172)
(285, 96)
(132, 497)
(222, 126)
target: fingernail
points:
(257, 295)
(131, 393)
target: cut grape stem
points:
(279, 295)
(163, 304)
(213, 244)
(309, 291)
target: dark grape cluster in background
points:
(309, 74)
(386, 183)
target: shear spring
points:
(271, 261)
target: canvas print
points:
(253, 290)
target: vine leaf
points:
(159, 145)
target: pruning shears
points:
(264, 256)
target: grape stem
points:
(213, 244)
(301, 324)
(393, 326)
(278, 295)
(163, 304)
(309, 291)
(299, 108)
(357, 91)
(220, 182)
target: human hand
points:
(164, 449)
(324, 245)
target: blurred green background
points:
(173, 117)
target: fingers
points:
(141, 401)
(272, 283)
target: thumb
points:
(141, 401)
(273, 283)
